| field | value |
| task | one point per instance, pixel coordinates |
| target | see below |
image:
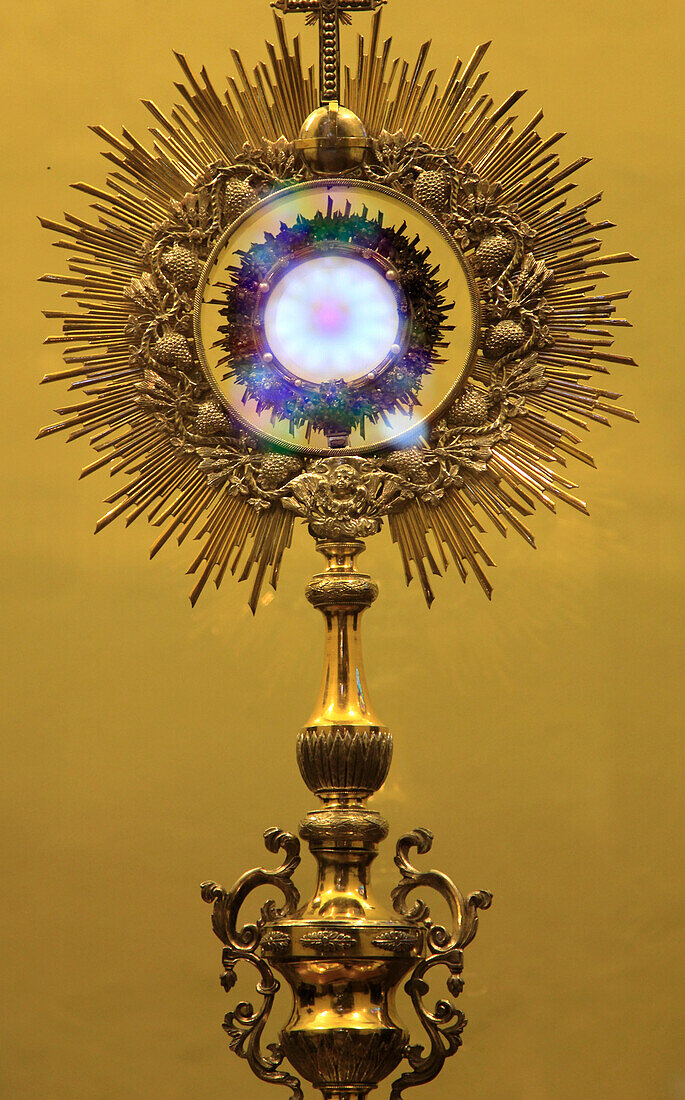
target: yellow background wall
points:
(147, 747)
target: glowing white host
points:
(331, 317)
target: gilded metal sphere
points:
(332, 140)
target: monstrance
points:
(382, 312)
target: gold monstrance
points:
(385, 311)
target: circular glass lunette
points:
(459, 345)
(333, 311)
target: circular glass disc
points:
(331, 317)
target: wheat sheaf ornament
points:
(424, 250)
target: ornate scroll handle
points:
(445, 1023)
(228, 903)
(443, 1026)
(464, 911)
(245, 1025)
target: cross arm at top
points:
(329, 14)
(301, 6)
(337, 8)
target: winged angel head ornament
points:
(353, 299)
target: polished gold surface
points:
(342, 953)
(540, 736)
(343, 751)
(333, 139)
